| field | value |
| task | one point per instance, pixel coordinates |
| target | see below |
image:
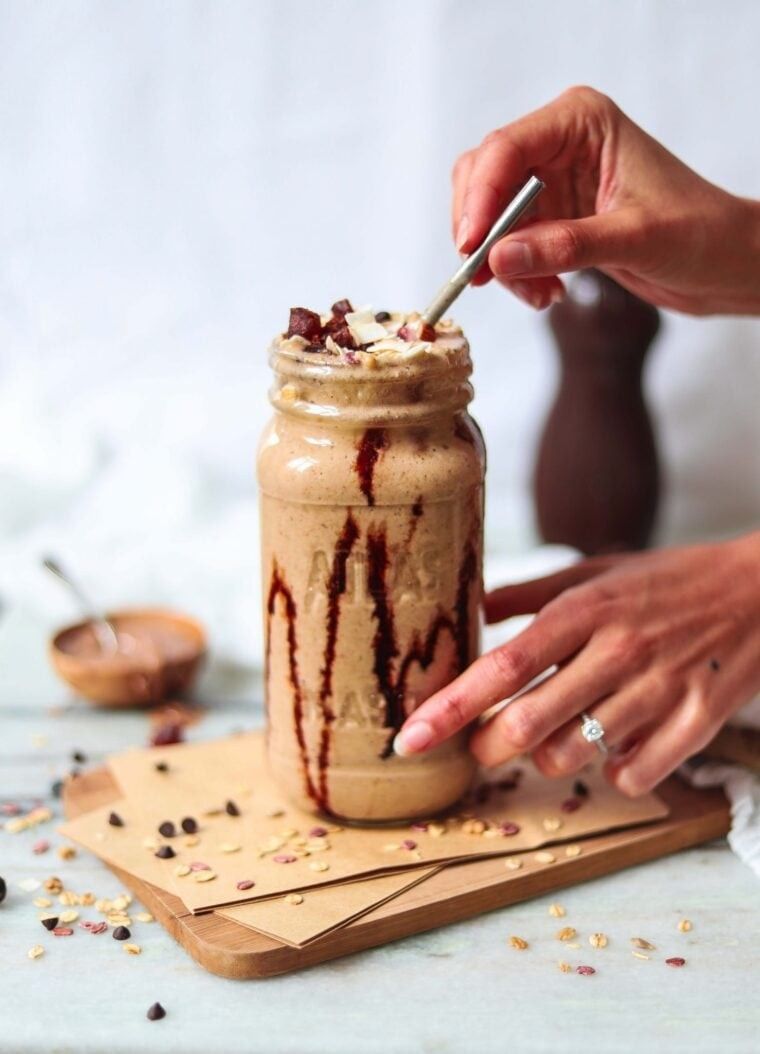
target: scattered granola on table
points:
(567, 933)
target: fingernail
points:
(557, 294)
(462, 232)
(513, 258)
(412, 739)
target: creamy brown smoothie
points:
(371, 480)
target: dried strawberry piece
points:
(409, 843)
(585, 970)
(675, 960)
(341, 308)
(340, 333)
(417, 331)
(167, 735)
(571, 804)
(304, 323)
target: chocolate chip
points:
(3, 890)
(167, 829)
(50, 924)
(121, 933)
(156, 1012)
(382, 316)
(78, 756)
(580, 790)
(714, 665)
(231, 809)
(161, 766)
(115, 820)
(189, 825)
(165, 852)
(56, 787)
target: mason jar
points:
(371, 500)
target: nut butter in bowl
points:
(371, 480)
(158, 656)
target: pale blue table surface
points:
(457, 989)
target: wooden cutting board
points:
(457, 892)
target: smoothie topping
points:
(360, 335)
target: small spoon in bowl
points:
(104, 630)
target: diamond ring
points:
(592, 731)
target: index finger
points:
(552, 135)
(552, 637)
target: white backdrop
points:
(174, 175)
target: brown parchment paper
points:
(202, 777)
(325, 909)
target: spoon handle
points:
(105, 631)
(470, 267)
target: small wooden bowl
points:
(174, 648)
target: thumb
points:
(556, 246)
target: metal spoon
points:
(105, 631)
(470, 267)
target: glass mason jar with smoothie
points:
(371, 482)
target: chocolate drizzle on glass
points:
(422, 650)
(416, 513)
(336, 587)
(279, 588)
(392, 685)
(371, 445)
(384, 644)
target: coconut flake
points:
(363, 327)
